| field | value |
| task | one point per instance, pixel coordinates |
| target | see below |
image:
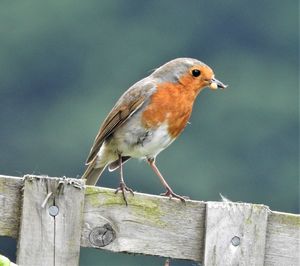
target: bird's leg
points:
(169, 191)
(122, 186)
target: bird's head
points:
(189, 72)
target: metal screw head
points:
(53, 210)
(235, 241)
(102, 236)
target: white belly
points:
(134, 141)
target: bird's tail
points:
(92, 173)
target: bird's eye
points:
(196, 72)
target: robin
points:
(147, 118)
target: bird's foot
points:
(123, 188)
(169, 193)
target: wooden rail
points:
(53, 217)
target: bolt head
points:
(53, 210)
(235, 241)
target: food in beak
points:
(215, 84)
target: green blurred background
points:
(63, 65)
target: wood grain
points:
(235, 234)
(283, 239)
(45, 239)
(150, 225)
(10, 198)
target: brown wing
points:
(115, 118)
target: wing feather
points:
(115, 119)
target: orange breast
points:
(171, 103)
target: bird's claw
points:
(171, 194)
(123, 188)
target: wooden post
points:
(51, 220)
(235, 234)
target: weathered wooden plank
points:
(68, 223)
(235, 234)
(50, 222)
(36, 239)
(151, 225)
(145, 221)
(283, 239)
(10, 196)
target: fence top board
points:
(155, 225)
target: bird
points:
(147, 118)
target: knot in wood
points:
(102, 236)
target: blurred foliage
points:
(63, 64)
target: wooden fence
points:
(53, 217)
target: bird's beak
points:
(216, 84)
